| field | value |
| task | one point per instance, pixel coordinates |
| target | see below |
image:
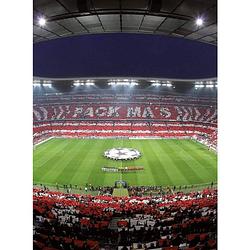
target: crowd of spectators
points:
(125, 115)
(172, 221)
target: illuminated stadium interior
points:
(125, 125)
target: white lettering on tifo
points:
(37, 114)
(101, 111)
(78, 110)
(89, 112)
(134, 112)
(165, 112)
(113, 111)
(148, 113)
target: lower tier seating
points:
(184, 221)
(206, 133)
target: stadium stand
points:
(134, 115)
(150, 217)
(175, 221)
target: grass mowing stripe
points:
(84, 168)
(208, 155)
(144, 177)
(44, 167)
(173, 170)
(163, 161)
(49, 153)
(71, 166)
(190, 175)
(96, 175)
(129, 177)
(158, 172)
(192, 162)
(198, 157)
(41, 148)
(58, 172)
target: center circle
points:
(122, 154)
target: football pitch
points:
(166, 162)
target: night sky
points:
(131, 55)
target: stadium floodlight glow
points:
(199, 86)
(133, 83)
(78, 83)
(209, 86)
(36, 81)
(169, 84)
(89, 83)
(41, 21)
(199, 21)
(47, 85)
(122, 83)
(156, 84)
(164, 85)
(125, 82)
(47, 81)
(36, 84)
(216, 86)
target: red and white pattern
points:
(125, 116)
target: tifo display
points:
(122, 154)
(105, 114)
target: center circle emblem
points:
(122, 154)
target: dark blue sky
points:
(135, 55)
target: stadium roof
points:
(177, 18)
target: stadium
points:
(125, 125)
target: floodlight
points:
(156, 84)
(47, 85)
(122, 83)
(47, 81)
(112, 83)
(209, 86)
(199, 21)
(169, 84)
(42, 21)
(89, 83)
(199, 86)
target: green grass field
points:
(165, 162)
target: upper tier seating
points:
(103, 97)
(124, 107)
